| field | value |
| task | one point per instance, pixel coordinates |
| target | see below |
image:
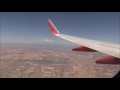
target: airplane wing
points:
(87, 45)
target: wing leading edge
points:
(89, 45)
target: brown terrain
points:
(52, 62)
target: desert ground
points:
(52, 62)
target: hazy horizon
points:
(32, 27)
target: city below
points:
(52, 62)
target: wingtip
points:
(48, 20)
(52, 27)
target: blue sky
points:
(32, 27)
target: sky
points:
(32, 27)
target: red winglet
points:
(52, 27)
